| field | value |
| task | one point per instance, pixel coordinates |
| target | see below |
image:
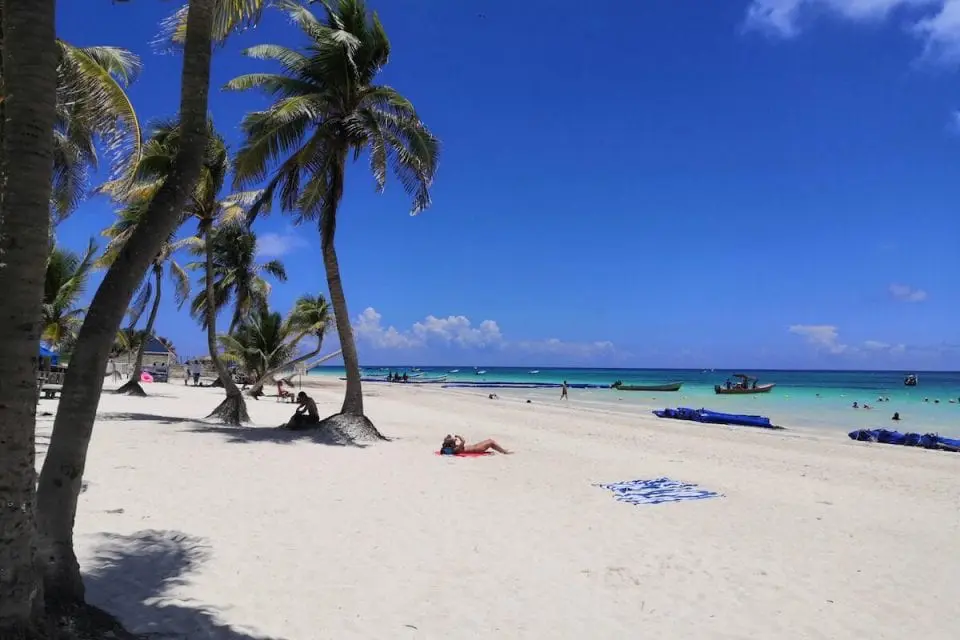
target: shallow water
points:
(800, 399)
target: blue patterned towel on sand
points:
(657, 491)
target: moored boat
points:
(670, 386)
(747, 384)
(910, 380)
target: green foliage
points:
(238, 277)
(66, 280)
(326, 109)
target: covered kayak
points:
(715, 417)
(927, 440)
(670, 386)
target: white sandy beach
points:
(193, 531)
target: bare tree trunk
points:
(63, 468)
(132, 386)
(351, 419)
(29, 75)
(233, 409)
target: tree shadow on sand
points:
(131, 577)
(275, 435)
(141, 417)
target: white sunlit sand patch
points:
(193, 531)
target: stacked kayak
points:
(927, 440)
(715, 417)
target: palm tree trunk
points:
(132, 386)
(233, 409)
(30, 83)
(63, 468)
(351, 419)
(353, 399)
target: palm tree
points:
(262, 341)
(92, 107)
(237, 276)
(62, 473)
(28, 98)
(310, 317)
(151, 289)
(327, 110)
(66, 280)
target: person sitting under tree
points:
(306, 414)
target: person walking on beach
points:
(195, 370)
(564, 393)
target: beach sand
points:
(187, 530)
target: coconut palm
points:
(92, 107)
(237, 276)
(28, 98)
(327, 110)
(152, 287)
(262, 341)
(311, 317)
(66, 280)
(62, 473)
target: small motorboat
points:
(481, 372)
(747, 384)
(670, 386)
(454, 370)
(910, 380)
(534, 372)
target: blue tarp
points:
(47, 353)
(926, 440)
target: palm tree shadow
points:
(276, 435)
(130, 577)
(141, 417)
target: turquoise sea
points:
(814, 399)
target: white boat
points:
(534, 372)
(455, 371)
(480, 373)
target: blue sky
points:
(663, 184)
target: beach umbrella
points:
(47, 353)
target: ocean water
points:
(806, 399)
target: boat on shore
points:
(670, 386)
(745, 385)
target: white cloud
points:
(953, 125)
(274, 245)
(459, 331)
(936, 22)
(554, 346)
(875, 345)
(824, 337)
(906, 293)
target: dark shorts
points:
(303, 420)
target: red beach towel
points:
(466, 454)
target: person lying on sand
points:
(456, 444)
(306, 414)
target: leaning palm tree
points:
(60, 479)
(152, 287)
(311, 317)
(66, 280)
(328, 109)
(238, 277)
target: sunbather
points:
(456, 444)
